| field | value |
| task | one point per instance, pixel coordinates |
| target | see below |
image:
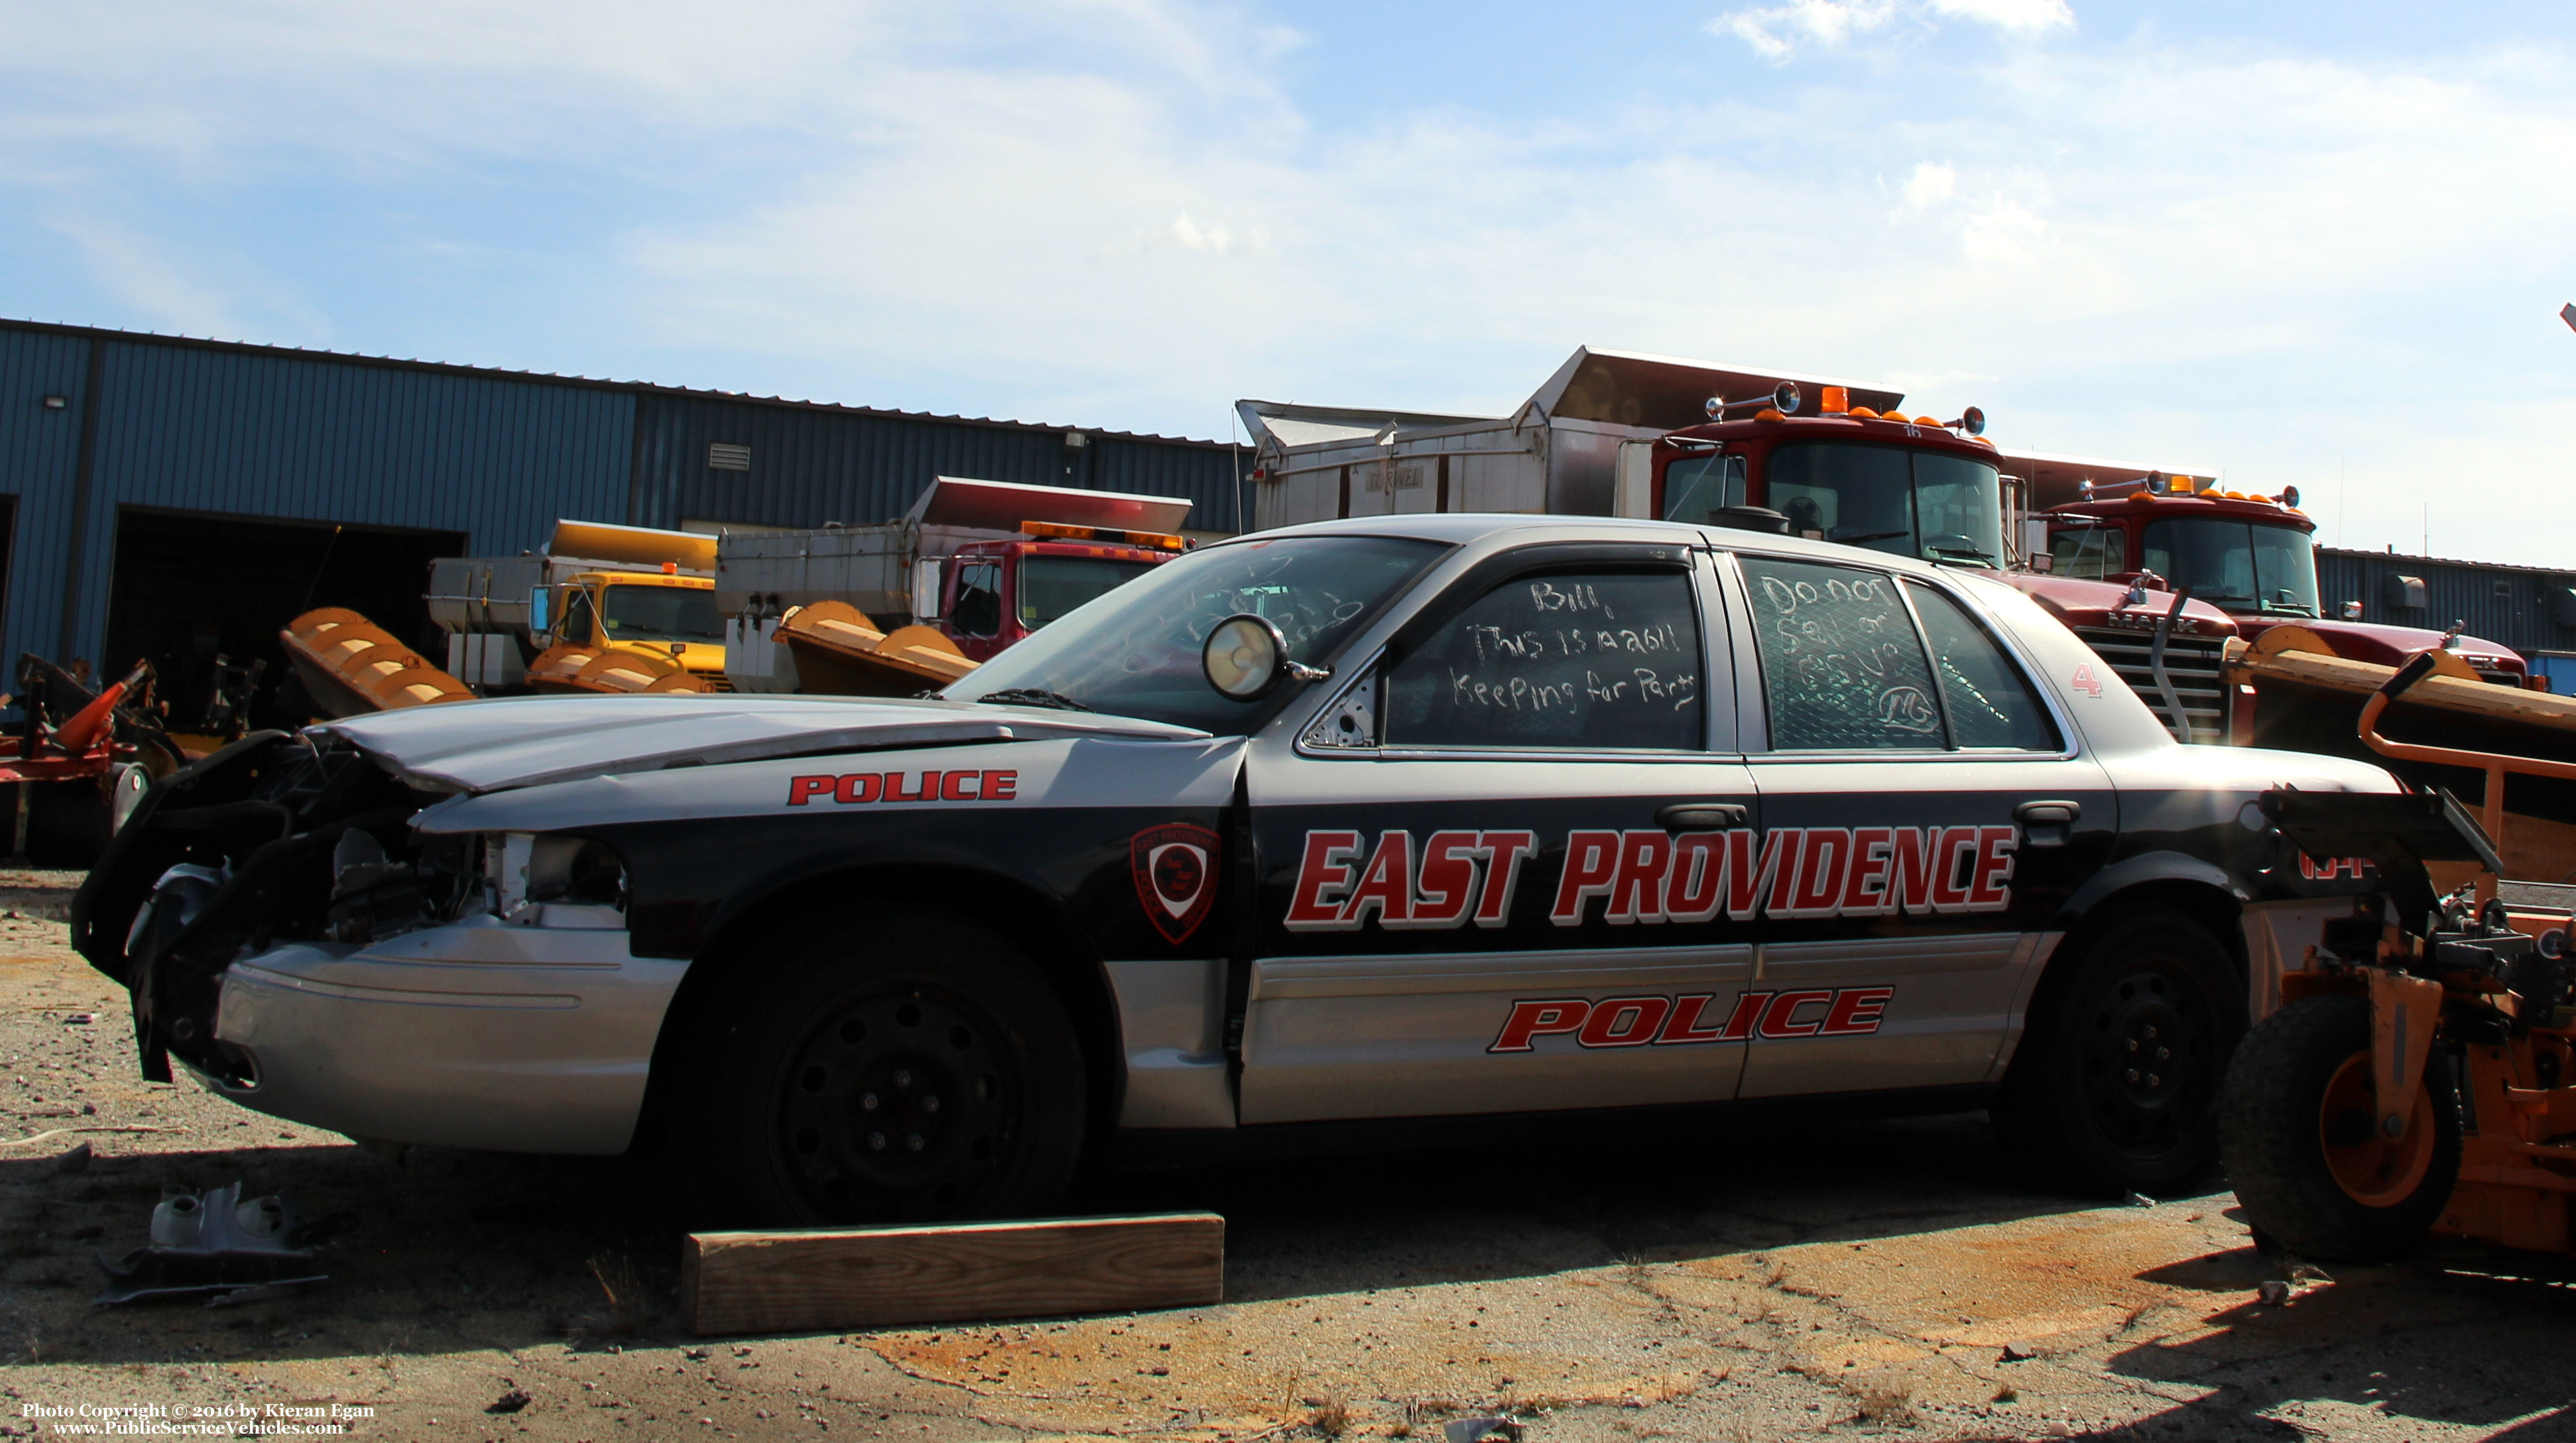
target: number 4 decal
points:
(2085, 682)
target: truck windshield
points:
(1050, 586)
(1135, 651)
(1890, 498)
(2236, 565)
(661, 613)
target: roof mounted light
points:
(1972, 421)
(1837, 401)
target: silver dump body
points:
(1559, 453)
(485, 595)
(881, 569)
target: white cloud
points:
(1776, 32)
(1929, 185)
(2017, 15)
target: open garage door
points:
(199, 593)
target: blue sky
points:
(2308, 244)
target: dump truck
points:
(1660, 438)
(2254, 557)
(971, 568)
(604, 607)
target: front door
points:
(1925, 816)
(1494, 871)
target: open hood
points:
(493, 746)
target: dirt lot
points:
(1882, 1278)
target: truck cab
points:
(995, 593)
(1909, 486)
(662, 614)
(2252, 556)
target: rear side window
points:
(1577, 661)
(1990, 703)
(1842, 665)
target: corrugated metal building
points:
(2529, 608)
(180, 499)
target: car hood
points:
(493, 746)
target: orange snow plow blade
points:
(351, 666)
(839, 653)
(564, 667)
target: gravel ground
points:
(1847, 1279)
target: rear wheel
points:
(916, 1067)
(2298, 1130)
(2115, 1086)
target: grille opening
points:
(2193, 665)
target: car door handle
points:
(1702, 816)
(2048, 814)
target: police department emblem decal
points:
(1175, 870)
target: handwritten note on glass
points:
(1842, 664)
(1572, 661)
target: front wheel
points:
(905, 1067)
(2115, 1085)
(2297, 1128)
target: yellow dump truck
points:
(607, 608)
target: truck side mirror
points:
(540, 608)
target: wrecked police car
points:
(1416, 818)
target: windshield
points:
(661, 613)
(1890, 498)
(1135, 651)
(2236, 565)
(1050, 586)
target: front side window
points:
(979, 599)
(1696, 486)
(2090, 553)
(1562, 661)
(661, 613)
(578, 620)
(1842, 666)
(1896, 499)
(1050, 586)
(2236, 565)
(1135, 650)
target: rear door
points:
(1493, 869)
(1925, 815)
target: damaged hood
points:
(493, 746)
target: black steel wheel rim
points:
(902, 1101)
(2148, 1058)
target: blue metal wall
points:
(2507, 604)
(277, 436)
(39, 456)
(253, 431)
(812, 464)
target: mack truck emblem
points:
(1175, 871)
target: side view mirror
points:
(1245, 656)
(539, 600)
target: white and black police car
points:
(1435, 822)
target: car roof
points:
(1490, 530)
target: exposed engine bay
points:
(283, 838)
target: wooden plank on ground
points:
(815, 1279)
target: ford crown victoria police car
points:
(1411, 818)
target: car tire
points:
(2296, 1132)
(2115, 1085)
(897, 1067)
